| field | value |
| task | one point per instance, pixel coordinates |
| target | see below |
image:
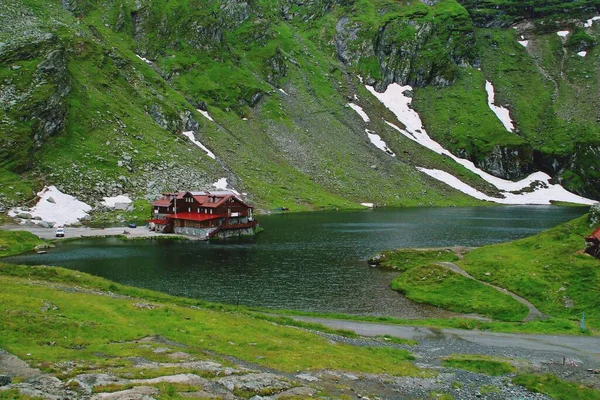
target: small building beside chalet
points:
(206, 215)
(592, 244)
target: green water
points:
(308, 261)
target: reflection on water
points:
(308, 261)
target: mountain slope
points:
(97, 93)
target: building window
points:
(198, 210)
(189, 209)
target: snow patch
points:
(501, 112)
(590, 22)
(144, 59)
(562, 33)
(360, 111)
(206, 115)
(283, 91)
(57, 207)
(370, 205)
(395, 99)
(111, 202)
(222, 184)
(190, 135)
(523, 43)
(542, 195)
(379, 143)
(582, 53)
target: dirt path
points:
(534, 313)
(496, 343)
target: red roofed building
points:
(592, 244)
(203, 214)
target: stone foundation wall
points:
(198, 232)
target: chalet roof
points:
(195, 217)
(596, 234)
(159, 221)
(162, 203)
(170, 195)
(204, 199)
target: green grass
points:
(15, 242)
(459, 117)
(438, 286)
(555, 387)
(405, 259)
(86, 324)
(481, 364)
(546, 269)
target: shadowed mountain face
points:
(95, 97)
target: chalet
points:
(592, 244)
(210, 214)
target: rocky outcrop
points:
(578, 172)
(49, 115)
(494, 14)
(32, 98)
(305, 10)
(507, 162)
(276, 68)
(411, 50)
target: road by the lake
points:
(584, 347)
(83, 232)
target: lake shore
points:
(140, 232)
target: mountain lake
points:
(302, 261)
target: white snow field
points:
(501, 112)
(360, 111)
(590, 22)
(206, 115)
(395, 99)
(378, 142)
(222, 184)
(111, 202)
(57, 207)
(190, 135)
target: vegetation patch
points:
(556, 388)
(15, 242)
(481, 364)
(548, 269)
(438, 286)
(405, 259)
(82, 321)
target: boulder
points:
(257, 383)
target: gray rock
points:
(136, 393)
(51, 200)
(257, 383)
(595, 214)
(24, 215)
(5, 380)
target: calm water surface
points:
(308, 261)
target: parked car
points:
(132, 225)
(60, 232)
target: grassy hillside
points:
(96, 94)
(100, 322)
(549, 269)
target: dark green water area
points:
(305, 261)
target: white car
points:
(60, 232)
